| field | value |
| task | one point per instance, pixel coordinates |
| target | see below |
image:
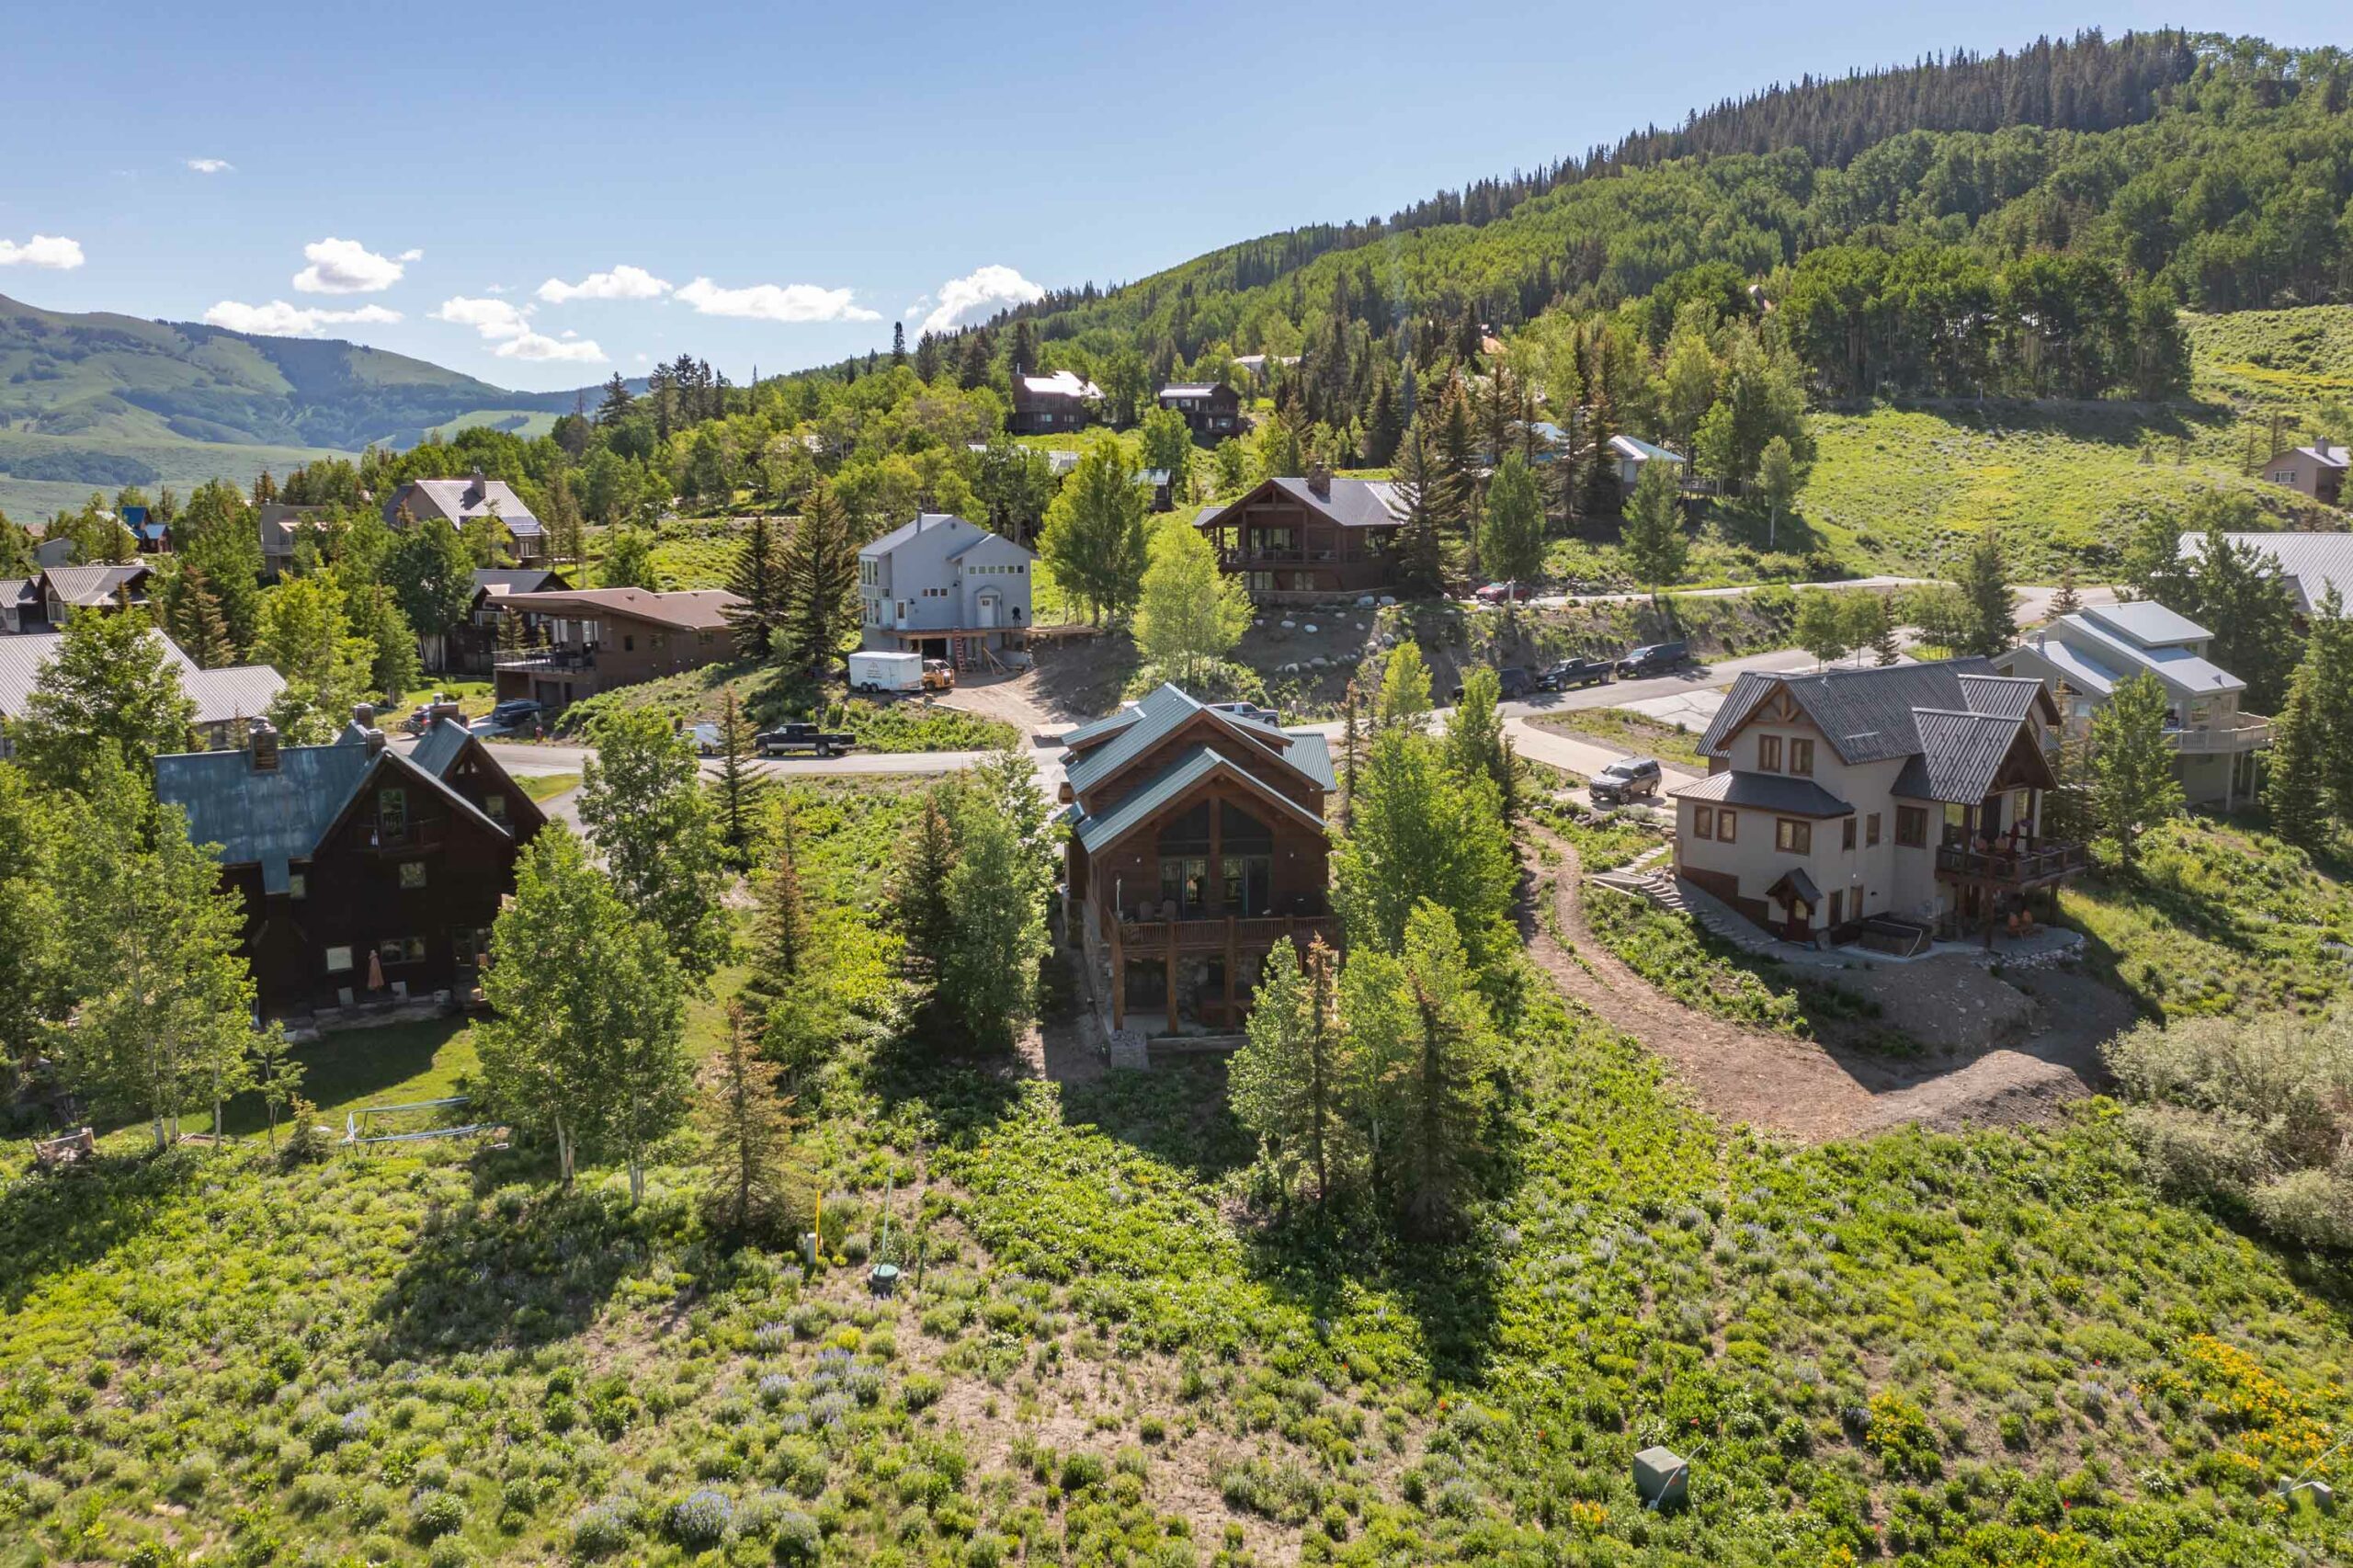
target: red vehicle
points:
(1506, 593)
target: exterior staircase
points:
(1660, 887)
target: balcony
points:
(546, 659)
(2038, 864)
(2228, 736)
(409, 837)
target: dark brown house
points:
(583, 640)
(1309, 537)
(366, 873)
(1051, 406)
(1197, 843)
(471, 647)
(1211, 409)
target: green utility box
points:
(1662, 1479)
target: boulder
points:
(1388, 599)
(1309, 629)
(1364, 601)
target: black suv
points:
(1657, 659)
(1512, 680)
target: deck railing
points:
(2240, 732)
(2042, 862)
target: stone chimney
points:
(480, 487)
(261, 744)
(1319, 480)
(363, 716)
(442, 709)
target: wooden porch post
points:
(1172, 976)
(1119, 978)
(1233, 961)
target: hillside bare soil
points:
(1805, 1089)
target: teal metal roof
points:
(440, 746)
(270, 819)
(1151, 719)
(1097, 727)
(1170, 783)
(1312, 755)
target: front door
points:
(988, 610)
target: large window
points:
(1792, 837)
(1768, 754)
(1184, 847)
(1247, 859)
(1727, 826)
(1703, 822)
(1911, 826)
(1847, 834)
(401, 950)
(412, 875)
(1871, 830)
(1800, 756)
(392, 812)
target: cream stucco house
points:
(1910, 794)
(2083, 656)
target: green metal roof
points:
(1158, 715)
(440, 746)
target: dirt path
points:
(1805, 1089)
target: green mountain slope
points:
(98, 400)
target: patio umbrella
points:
(375, 971)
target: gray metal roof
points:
(19, 591)
(2177, 667)
(1960, 754)
(461, 499)
(88, 587)
(2003, 696)
(923, 521)
(23, 654)
(1094, 728)
(2310, 563)
(1793, 886)
(501, 580)
(1866, 714)
(234, 691)
(2146, 622)
(1352, 504)
(1765, 792)
(1192, 389)
(1641, 450)
(1171, 782)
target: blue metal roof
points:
(440, 746)
(270, 819)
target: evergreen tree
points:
(629, 561)
(1421, 547)
(1656, 545)
(781, 937)
(1095, 542)
(393, 669)
(1452, 475)
(2294, 789)
(1475, 742)
(1292, 1084)
(587, 1038)
(2066, 601)
(2329, 652)
(216, 532)
(817, 574)
(917, 891)
(642, 804)
(1602, 495)
(1990, 625)
(898, 344)
(565, 526)
(1886, 648)
(2134, 787)
(192, 619)
(2236, 595)
(757, 581)
(755, 1190)
(1430, 1049)
(1511, 545)
(737, 788)
(34, 980)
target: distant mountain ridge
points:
(110, 379)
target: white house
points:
(2083, 658)
(1910, 793)
(943, 587)
(1633, 452)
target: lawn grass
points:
(1629, 732)
(474, 697)
(2217, 919)
(547, 786)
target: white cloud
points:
(211, 165)
(620, 283)
(509, 326)
(775, 302)
(347, 267)
(976, 293)
(532, 345)
(52, 251)
(492, 318)
(278, 319)
(411, 255)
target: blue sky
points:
(784, 181)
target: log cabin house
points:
(1309, 537)
(1197, 843)
(366, 873)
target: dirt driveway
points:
(1806, 1090)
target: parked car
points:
(1506, 593)
(706, 739)
(1514, 679)
(1634, 777)
(1250, 711)
(787, 739)
(516, 716)
(1572, 672)
(939, 675)
(1655, 659)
